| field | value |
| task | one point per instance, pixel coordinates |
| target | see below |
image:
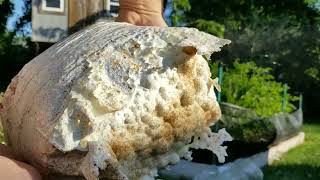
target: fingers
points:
(143, 6)
(141, 19)
(142, 12)
(7, 152)
(16, 170)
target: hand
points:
(12, 168)
(142, 12)
(137, 12)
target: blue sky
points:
(17, 12)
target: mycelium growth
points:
(123, 101)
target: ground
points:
(302, 162)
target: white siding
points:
(48, 26)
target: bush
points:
(15, 52)
(244, 125)
(259, 96)
(253, 87)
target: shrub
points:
(249, 86)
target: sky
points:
(17, 12)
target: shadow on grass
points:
(312, 120)
(291, 172)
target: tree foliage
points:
(283, 35)
(25, 19)
(211, 27)
(15, 48)
(178, 9)
(5, 11)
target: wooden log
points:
(277, 151)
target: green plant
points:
(250, 86)
(245, 126)
(211, 27)
(267, 32)
(179, 7)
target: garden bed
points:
(243, 168)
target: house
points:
(53, 20)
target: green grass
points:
(302, 162)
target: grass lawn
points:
(302, 162)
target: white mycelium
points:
(129, 100)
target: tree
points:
(283, 35)
(25, 19)
(5, 11)
(15, 48)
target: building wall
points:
(84, 12)
(48, 26)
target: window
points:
(112, 7)
(114, 2)
(53, 5)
